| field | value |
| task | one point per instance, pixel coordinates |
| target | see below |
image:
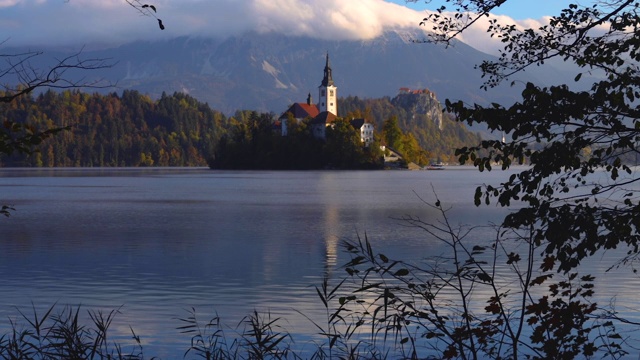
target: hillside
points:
(267, 71)
(420, 113)
(131, 129)
(113, 130)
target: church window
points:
(331, 92)
(323, 92)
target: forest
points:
(131, 129)
(255, 144)
(437, 132)
(111, 130)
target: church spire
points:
(328, 91)
(328, 79)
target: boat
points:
(436, 166)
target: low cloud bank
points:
(113, 22)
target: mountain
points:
(268, 72)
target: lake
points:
(161, 241)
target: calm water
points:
(161, 241)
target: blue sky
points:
(517, 9)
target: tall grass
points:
(68, 332)
(451, 306)
(59, 333)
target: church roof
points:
(357, 123)
(301, 111)
(324, 117)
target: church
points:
(324, 113)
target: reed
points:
(60, 333)
(453, 305)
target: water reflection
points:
(159, 241)
(331, 221)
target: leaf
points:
(577, 78)
(540, 279)
(513, 258)
(477, 196)
(548, 263)
(324, 301)
(484, 277)
(478, 248)
(160, 24)
(401, 272)
(493, 308)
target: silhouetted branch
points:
(29, 77)
(146, 10)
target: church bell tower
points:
(328, 92)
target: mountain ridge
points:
(268, 72)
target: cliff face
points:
(423, 102)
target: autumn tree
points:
(392, 134)
(578, 199)
(343, 148)
(581, 144)
(20, 78)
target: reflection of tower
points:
(332, 222)
(328, 91)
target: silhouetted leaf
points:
(401, 272)
(484, 277)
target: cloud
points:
(58, 22)
(478, 37)
(333, 19)
(114, 22)
(476, 34)
(7, 3)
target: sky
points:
(516, 9)
(97, 23)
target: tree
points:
(412, 151)
(18, 70)
(580, 144)
(18, 136)
(577, 199)
(392, 134)
(343, 147)
(455, 305)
